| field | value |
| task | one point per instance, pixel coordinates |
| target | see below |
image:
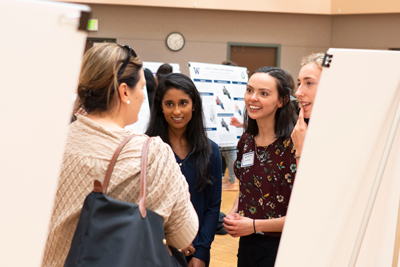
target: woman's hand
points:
(237, 225)
(299, 133)
(195, 262)
(236, 122)
(189, 250)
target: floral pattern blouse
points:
(265, 187)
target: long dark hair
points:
(151, 85)
(285, 117)
(195, 134)
(150, 80)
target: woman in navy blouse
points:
(177, 117)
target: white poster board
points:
(352, 117)
(144, 115)
(222, 91)
(153, 66)
(40, 53)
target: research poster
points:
(222, 90)
(153, 66)
(144, 115)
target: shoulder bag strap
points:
(112, 162)
(143, 177)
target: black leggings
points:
(257, 250)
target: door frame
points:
(99, 40)
(277, 46)
(102, 40)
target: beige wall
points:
(287, 6)
(207, 32)
(321, 7)
(366, 31)
(364, 6)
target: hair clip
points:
(88, 93)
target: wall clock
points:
(175, 41)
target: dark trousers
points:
(257, 251)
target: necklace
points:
(183, 160)
(264, 155)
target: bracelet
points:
(296, 157)
(254, 225)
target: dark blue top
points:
(207, 202)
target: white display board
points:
(41, 52)
(347, 139)
(153, 66)
(222, 90)
(144, 115)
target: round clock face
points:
(175, 41)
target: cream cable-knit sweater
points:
(88, 152)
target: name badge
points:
(248, 159)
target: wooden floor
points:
(224, 248)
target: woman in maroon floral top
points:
(266, 168)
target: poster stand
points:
(345, 202)
(40, 69)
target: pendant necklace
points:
(264, 155)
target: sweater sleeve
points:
(172, 193)
(209, 226)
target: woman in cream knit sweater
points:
(111, 91)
